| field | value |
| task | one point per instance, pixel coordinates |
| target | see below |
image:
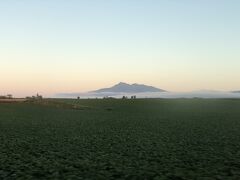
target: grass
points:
(121, 139)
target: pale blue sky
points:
(54, 46)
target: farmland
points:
(121, 139)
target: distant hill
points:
(129, 88)
(235, 91)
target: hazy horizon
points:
(54, 46)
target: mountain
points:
(129, 88)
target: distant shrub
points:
(107, 97)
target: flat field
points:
(121, 139)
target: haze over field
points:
(143, 91)
(78, 46)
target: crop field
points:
(121, 139)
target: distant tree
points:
(124, 97)
(39, 96)
(78, 97)
(133, 97)
(9, 96)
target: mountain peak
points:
(122, 83)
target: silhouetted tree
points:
(133, 97)
(124, 97)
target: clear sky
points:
(52, 46)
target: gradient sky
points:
(52, 46)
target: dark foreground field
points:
(121, 139)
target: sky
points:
(55, 46)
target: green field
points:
(121, 139)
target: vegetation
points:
(33, 98)
(8, 96)
(137, 139)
